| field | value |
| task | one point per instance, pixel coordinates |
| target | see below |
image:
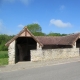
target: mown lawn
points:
(3, 58)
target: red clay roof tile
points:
(58, 40)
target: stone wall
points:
(11, 53)
(51, 54)
(38, 46)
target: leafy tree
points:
(56, 34)
(39, 34)
(3, 39)
(64, 34)
(34, 28)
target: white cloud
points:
(60, 23)
(62, 7)
(20, 26)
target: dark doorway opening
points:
(78, 45)
(56, 46)
(23, 47)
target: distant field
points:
(3, 57)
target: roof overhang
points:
(23, 33)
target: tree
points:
(34, 28)
(3, 39)
(39, 34)
(56, 34)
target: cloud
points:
(60, 23)
(20, 26)
(62, 7)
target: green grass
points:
(3, 58)
(3, 54)
(3, 61)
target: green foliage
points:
(63, 34)
(39, 34)
(34, 28)
(3, 54)
(3, 39)
(56, 34)
(3, 61)
(3, 58)
(37, 31)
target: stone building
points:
(27, 47)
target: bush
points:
(3, 54)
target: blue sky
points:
(59, 16)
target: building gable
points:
(24, 33)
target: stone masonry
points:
(38, 46)
(45, 54)
(11, 53)
(51, 54)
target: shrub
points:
(3, 54)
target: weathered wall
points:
(49, 54)
(45, 54)
(11, 53)
(38, 46)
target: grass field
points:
(3, 58)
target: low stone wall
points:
(51, 54)
(11, 53)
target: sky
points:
(58, 16)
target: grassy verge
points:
(3, 58)
(3, 61)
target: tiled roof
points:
(25, 29)
(59, 40)
(49, 40)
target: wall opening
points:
(56, 46)
(78, 43)
(23, 47)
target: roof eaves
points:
(15, 37)
(34, 37)
(73, 43)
